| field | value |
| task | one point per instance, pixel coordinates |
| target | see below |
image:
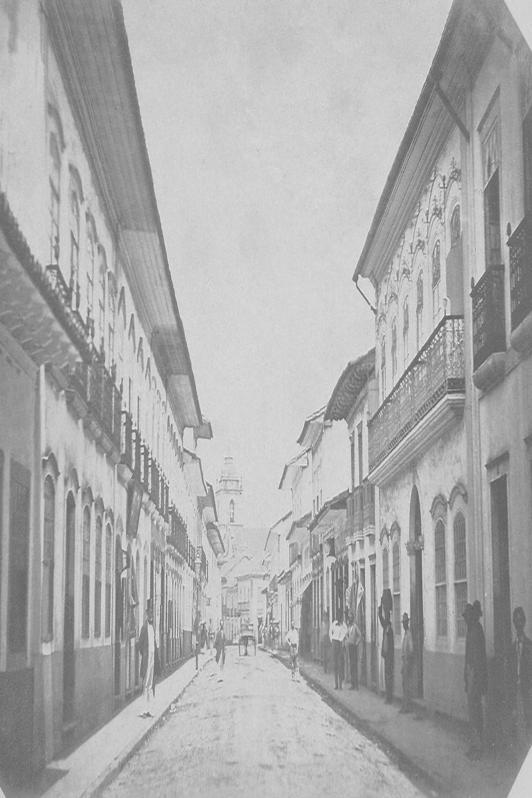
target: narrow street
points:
(257, 733)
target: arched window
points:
(383, 369)
(396, 568)
(231, 512)
(394, 351)
(440, 579)
(460, 572)
(455, 227)
(419, 311)
(91, 265)
(436, 280)
(54, 154)
(74, 240)
(108, 577)
(86, 573)
(406, 324)
(47, 595)
(98, 579)
(385, 569)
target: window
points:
(47, 594)
(74, 239)
(86, 573)
(385, 570)
(98, 579)
(396, 566)
(419, 311)
(440, 579)
(55, 195)
(19, 532)
(455, 227)
(383, 369)
(102, 275)
(108, 577)
(460, 572)
(394, 351)
(406, 322)
(231, 512)
(436, 274)
(91, 265)
(492, 225)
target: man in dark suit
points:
(475, 675)
(520, 687)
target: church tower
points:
(229, 503)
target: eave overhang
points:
(311, 429)
(92, 49)
(299, 528)
(352, 382)
(215, 539)
(329, 513)
(465, 41)
(194, 475)
(291, 468)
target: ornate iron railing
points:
(437, 370)
(487, 296)
(520, 245)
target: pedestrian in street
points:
(292, 641)
(520, 687)
(203, 636)
(149, 661)
(475, 675)
(387, 650)
(338, 635)
(325, 640)
(352, 640)
(407, 664)
(219, 646)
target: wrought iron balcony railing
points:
(96, 387)
(488, 315)
(520, 244)
(437, 370)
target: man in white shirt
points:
(292, 640)
(338, 634)
(149, 660)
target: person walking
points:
(407, 663)
(149, 662)
(520, 687)
(219, 646)
(353, 639)
(475, 675)
(325, 640)
(387, 650)
(292, 641)
(338, 635)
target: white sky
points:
(271, 127)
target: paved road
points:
(257, 733)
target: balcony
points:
(178, 537)
(93, 396)
(520, 245)
(425, 403)
(127, 448)
(489, 336)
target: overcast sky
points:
(271, 127)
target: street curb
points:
(116, 765)
(426, 781)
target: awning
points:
(332, 510)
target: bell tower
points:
(229, 502)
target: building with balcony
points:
(97, 388)
(354, 401)
(449, 443)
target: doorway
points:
(373, 627)
(416, 592)
(118, 615)
(69, 679)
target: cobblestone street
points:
(257, 733)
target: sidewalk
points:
(97, 760)
(430, 747)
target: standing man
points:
(520, 692)
(292, 640)
(219, 645)
(149, 662)
(325, 640)
(476, 675)
(352, 640)
(338, 635)
(387, 650)
(407, 662)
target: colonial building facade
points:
(98, 515)
(449, 444)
